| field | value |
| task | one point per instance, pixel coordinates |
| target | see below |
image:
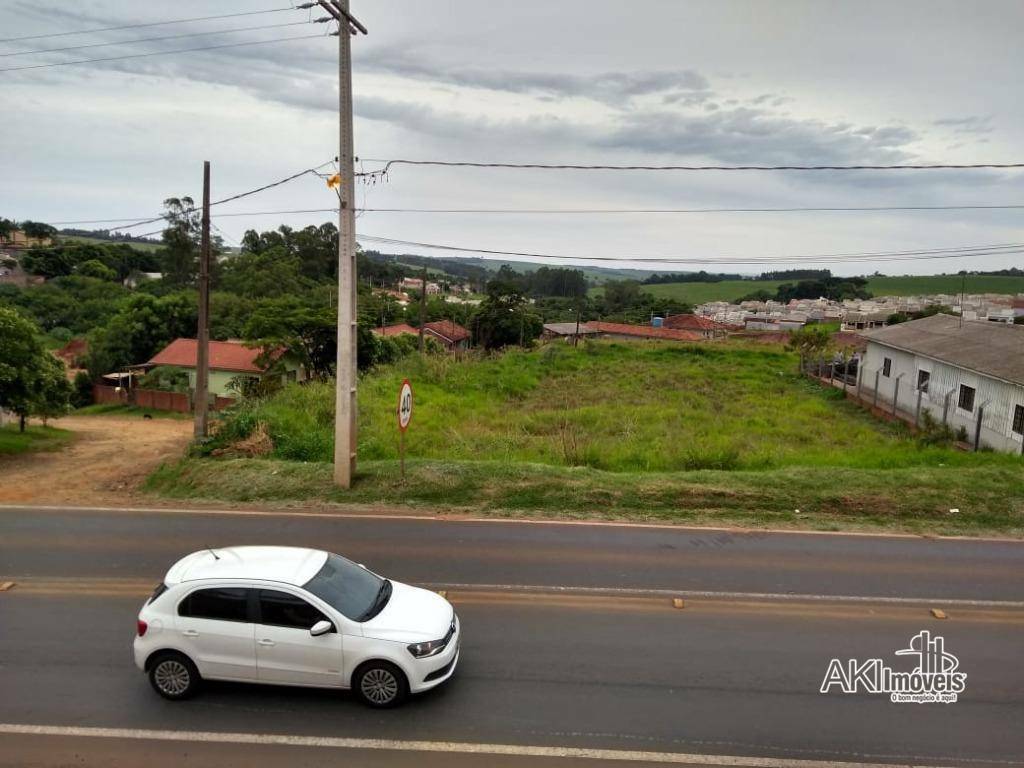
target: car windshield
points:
(350, 589)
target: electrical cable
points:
(154, 39)
(149, 24)
(936, 253)
(567, 167)
(162, 53)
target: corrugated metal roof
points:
(995, 349)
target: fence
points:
(180, 402)
(904, 401)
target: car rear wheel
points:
(381, 684)
(174, 676)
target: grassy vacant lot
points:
(34, 438)
(731, 290)
(691, 433)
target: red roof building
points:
(224, 356)
(450, 334)
(396, 330)
(625, 330)
(705, 326)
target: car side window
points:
(279, 609)
(221, 603)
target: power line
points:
(585, 211)
(161, 53)
(935, 253)
(154, 39)
(150, 24)
(692, 210)
(566, 167)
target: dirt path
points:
(108, 459)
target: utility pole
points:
(345, 382)
(200, 404)
(423, 309)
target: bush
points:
(62, 334)
(165, 379)
(81, 394)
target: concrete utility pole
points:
(345, 392)
(200, 404)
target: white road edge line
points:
(455, 517)
(672, 758)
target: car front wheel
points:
(174, 676)
(381, 684)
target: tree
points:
(22, 363)
(38, 230)
(96, 268)
(53, 393)
(310, 333)
(620, 295)
(141, 328)
(265, 273)
(181, 241)
(505, 318)
(809, 342)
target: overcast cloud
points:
(654, 82)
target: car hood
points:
(412, 615)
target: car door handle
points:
(264, 641)
(190, 633)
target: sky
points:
(649, 82)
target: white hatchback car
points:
(290, 616)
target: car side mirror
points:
(321, 628)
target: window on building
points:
(887, 367)
(1018, 419)
(923, 377)
(966, 400)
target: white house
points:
(967, 373)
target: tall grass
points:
(621, 407)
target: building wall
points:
(997, 397)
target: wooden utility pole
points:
(201, 403)
(345, 381)
(423, 310)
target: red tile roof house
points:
(705, 326)
(452, 335)
(228, 359)
(625, 331)
(396, 330)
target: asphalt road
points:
(550, 672)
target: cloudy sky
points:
(582, 82)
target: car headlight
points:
(430, 648)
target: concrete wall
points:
(996, 397)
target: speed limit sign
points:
(405, 405)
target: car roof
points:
(289, 565)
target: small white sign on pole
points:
(404, 417)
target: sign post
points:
(404, 417)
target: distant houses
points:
(966, 373)
(450, 335)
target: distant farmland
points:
(731, 290)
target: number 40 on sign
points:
(404, 417)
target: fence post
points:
(917, 411)
(878, 374)
(945, 408)
(821, 365)
(896, 394)
(977, 427)
(860, 377)
(846, 375)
